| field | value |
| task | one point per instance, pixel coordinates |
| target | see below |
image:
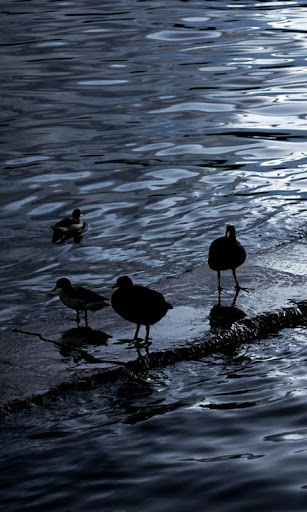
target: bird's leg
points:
(219, 281)
(136, 332)
(238, 287)
(147, 333)
(235, 297)
(219, 301)
(78, 318)
(86, 322)
(139, 353)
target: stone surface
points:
(55, 353)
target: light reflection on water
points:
(162, 129)
(227, 432)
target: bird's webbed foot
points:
(220, 290)
(238, 288)
(136, 339)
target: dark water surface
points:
(224, 434)
(162, 121)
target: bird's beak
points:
(54, 289)
(227, 234)
(81, 214)
(115, 285)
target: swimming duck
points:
(226, 253)
(138, 304)
(79, 298)
(68, 228)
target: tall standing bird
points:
(226, 253)
(79, 298)
(138, 304)
(68, 228)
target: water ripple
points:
(162, 129)
(183, 35)
(201, 107)
(246, 452)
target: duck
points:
(79, 298)
(138, 304)
(68, 227)
(226, 253)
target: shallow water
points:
(225, 433)
(162, 123)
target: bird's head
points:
(76, 214)
(123, 282)
(62, 284)
(230, 232)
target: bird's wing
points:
(64, 223)
(144, 293)
(217, 252)
(217, 245)
(88, 296)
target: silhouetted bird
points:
(138, 304)
(226, 253)
(79, 298)
(68, 228)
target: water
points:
(225, 433)
(162, 123)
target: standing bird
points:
(226, 253)
(79, 298)
(138, 304)
(68, 228)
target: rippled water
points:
(226, 434)
(163, 123)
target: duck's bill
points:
(115, 285)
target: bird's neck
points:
(231, 238)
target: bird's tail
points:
(57, 236)
(95, 306)
(169, 306)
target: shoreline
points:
(41, 360)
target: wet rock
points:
(47, 358)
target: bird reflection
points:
(222, 317)
(65, 238)
(74, 339)
(138, 344)
(85, 336)
(133, 399)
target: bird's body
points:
(68, 228)
(138, 304)
(226, 253)
(79, 298)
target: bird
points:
(68, 227)
(138, 304)
(227, 253)
(79, 298)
